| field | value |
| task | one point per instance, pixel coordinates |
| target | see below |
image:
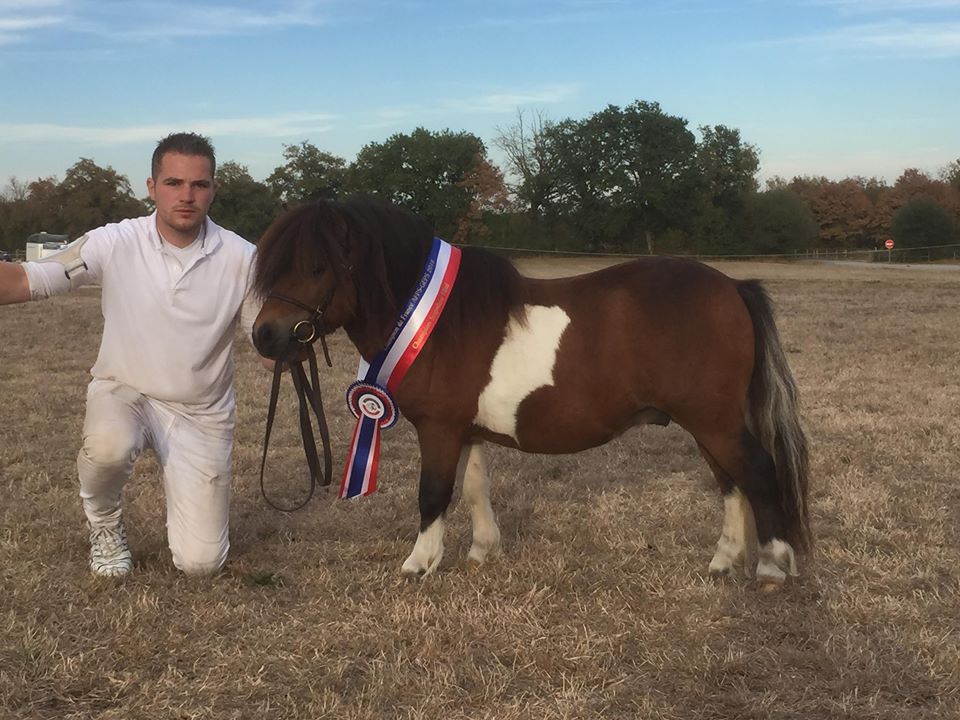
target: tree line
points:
(631, 179)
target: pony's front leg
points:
(476, 491)
(439, 455)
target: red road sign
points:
(888, 244)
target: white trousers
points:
(194, 454)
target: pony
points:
(553, 366)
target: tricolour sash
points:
(370, 396)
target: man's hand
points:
(14, 287)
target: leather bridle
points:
(305, 332)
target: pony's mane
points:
(384, 247)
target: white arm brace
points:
(57, 273)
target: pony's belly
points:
(524, 362)
(549, 430)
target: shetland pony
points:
(554, 366)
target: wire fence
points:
(928, 253)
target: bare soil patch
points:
(599, 605)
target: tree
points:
(726, 179)
(922, 223)
(308, 174)
(91, 196)
(425, 172)
(727, 165)
(484, 183)
(780, 221)
(530, 160)
(580, 194)
(26, 209)
(625, 173)
(913, 185)
(844, 213)
(242, 204)
(950, 173)
(20, 216)
(843, 210)
(15, 190)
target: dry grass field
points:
(598, 607)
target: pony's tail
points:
(775, 415)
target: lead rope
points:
(308, 396)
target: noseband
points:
(305, 332)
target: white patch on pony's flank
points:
(777, 559)
(524, 362)
(732, 545)
(427, 552)
(476, 491)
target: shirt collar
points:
(211, 235)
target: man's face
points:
(182, 190)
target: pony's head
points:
(324, 265)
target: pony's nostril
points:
(265, 339)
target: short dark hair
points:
(185, 143)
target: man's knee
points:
(110, 450)
(207, 559)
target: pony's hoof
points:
(770, 578)
(769, 586)
(415, 570)
(721, 566)
(777, 560)
(479, 553)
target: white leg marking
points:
(731, 547)
(427, 552)
(777, 559)
(476, 491)
(524, 362)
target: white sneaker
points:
(109, 553)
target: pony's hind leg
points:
(752, 469)
(439, 455)
(476, 491)
(737, 546)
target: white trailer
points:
(41, 245)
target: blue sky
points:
(826, 87)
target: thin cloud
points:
(923, 39)
(27, 5)
(492, 103)
(8, 25)
(152, 21)
(277, 126)
(509, 102)
(591, 12)
(867, 7)
(19, 19)
(141, 20)
(389, 118)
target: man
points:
(174, 286)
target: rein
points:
(306, 332)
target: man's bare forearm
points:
(14, 287)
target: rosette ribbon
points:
(370, 398)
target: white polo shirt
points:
(170, 317)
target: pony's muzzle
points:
(270, 340)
